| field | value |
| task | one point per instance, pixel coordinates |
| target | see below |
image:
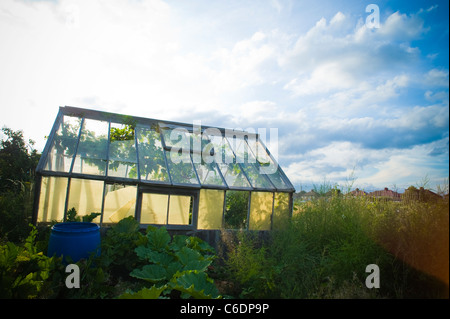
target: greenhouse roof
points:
(112, 147)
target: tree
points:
(18, 161)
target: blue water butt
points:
(77, 240)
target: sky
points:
(350, 93)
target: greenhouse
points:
(181, 176)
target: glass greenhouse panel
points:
(248, 163)
(52, 199)
(120, 202)
(220, 147)
(256, 178)
(241, 149)
(176, 137)
(154, 208)
(234, 175)
(260, 210)
(60, 156)
(152, 163)
(92, 149)
(210, 211)
(180, 210)
(226, 160)
(181, 168)
(122, 151)
(208, 174)
(86, 197)
(268, 166)
(281, 212)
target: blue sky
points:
(351, 103)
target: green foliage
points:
(25, 272)
(118, 247)
(176, 264)
(236, 210)
(195, 283)
(330, 241)
(18, 161)
(145, 293)
(72, 216)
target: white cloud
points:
(401, 27)
(436, 77)
(333, 56)
(325, 78)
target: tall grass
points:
(324, 251)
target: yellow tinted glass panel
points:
(52, 199)
(210, 210)
(179, 210)
(260, 210)
(281, 212)
(154, 209)
(86, 197)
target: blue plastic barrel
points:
(77, 240)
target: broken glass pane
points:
(120, 202)
(236, 209)
(122, 151)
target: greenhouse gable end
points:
(162, 173)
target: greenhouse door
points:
(174, 209)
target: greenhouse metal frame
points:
(160, 172)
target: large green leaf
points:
(192, 260)
(146, 293)
(151, 273)
(126, 225)
(164, 259)
(195, 283)
(178, 242)
(158, 238)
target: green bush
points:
(26, 273)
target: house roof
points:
(120, 148)
(386, 193)
(358, 192)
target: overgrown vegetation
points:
(324, 252)
(131, 265)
